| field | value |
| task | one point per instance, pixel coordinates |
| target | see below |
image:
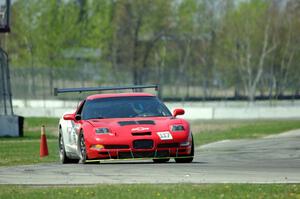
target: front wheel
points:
(187, 159)
(82, 149)
(64, 159)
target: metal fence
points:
(5, 87)
(38, 82)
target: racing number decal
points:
(166, 135)
(72, 133)
(69, 131)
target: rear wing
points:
(134, 88)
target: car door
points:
(73, 129)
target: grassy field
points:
(211, 131)
(25, 150)
(168, 191)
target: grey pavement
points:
(274, 159)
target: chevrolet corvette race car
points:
(123, 126)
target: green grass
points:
(221, 130)
(155, 191)
(25, 150)
(38, 121)
(32, 127)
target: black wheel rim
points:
(82, 148)
(61, 147)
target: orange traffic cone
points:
(43, 145)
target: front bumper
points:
(126, 153)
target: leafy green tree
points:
(208, 46)
(138, 27)
(58, 30)
(249, 41)
(285, 26)
(23, 40)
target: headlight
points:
(102, 131)
(177, 127)
(97, 146)
(185, 143)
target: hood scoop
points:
(125, 123)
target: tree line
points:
(215, 48)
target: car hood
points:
(138, 124)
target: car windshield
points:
(124, 107)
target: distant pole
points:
(3, 82)
(9, 93)
(6, 87)
(13, 124)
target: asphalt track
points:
(274, 159)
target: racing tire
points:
(64, 159)
(82, 149)
(162, 160)
(187, 159)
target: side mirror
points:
(178, 111)
(77, 117)
(69, 117)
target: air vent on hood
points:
(145, 122)
(125, 123)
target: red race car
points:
(121, 126)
